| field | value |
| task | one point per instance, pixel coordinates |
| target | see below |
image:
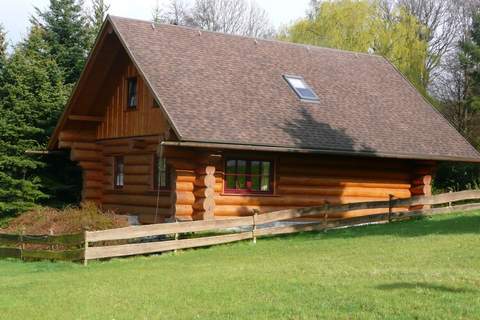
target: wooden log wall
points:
(422, 173)
(88, 154)
(137, 197)
(301, 182)
(204, 192)
(119, 121)
(313, 181)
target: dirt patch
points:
(67, 221)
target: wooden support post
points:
(85, 261)
(254, 226)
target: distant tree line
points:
(435, 43)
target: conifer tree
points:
(96, 18)
(32, 95)
(66, 34)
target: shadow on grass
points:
(461, 224)
(422, 285)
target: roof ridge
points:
(286, 43)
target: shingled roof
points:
(226, 89)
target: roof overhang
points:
(265, 148)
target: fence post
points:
(50, 233)
(450, 203)
(85, 247)
(22, 243)
(176, 237)
(325, 217)
(390, 209)
(254, 226)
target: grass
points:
(427, 269)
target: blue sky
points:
(14, 14)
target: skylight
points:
(301, 88)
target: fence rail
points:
(14, 246)
(123, 241)
(255, 222)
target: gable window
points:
(248, 176)
(161, 175)
(132, 95)
(118, 172)
(301, 88)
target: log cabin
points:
(170, 122)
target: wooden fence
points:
(131, 240)
(257, 225)
(45, 247)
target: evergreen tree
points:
(66, 34)
(96, 18)
(3, 45)
(32, 95)
(3, 56)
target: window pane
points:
(118, 172)
(265, 183)
(231, 166)
(255, 167)
(266, 167)
(230, 182)
(248, 175)
(241, 182)
(255, 183)
(306, 93)
(297, 83)
(301, 88)
(241, 166)
(132, 92)
(162, 183)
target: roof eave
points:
(284, 149)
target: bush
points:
(71, 220)
(457, 177)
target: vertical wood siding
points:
(143, 120)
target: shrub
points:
(67, 221)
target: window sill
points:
(145, 193)
(155, 192)
(249, 194)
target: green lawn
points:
(428, 269)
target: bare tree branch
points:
(229, 16)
